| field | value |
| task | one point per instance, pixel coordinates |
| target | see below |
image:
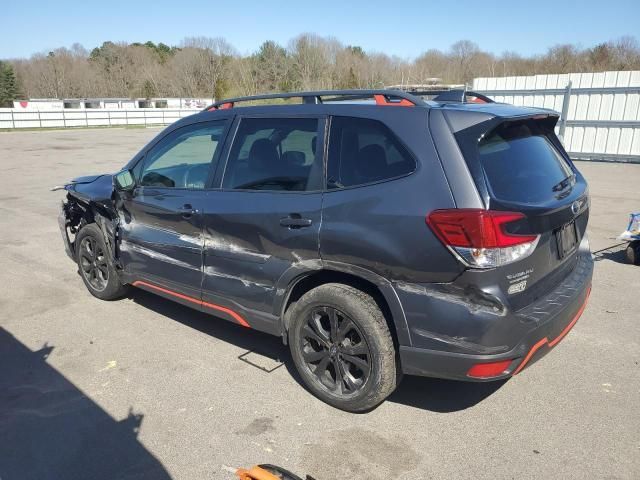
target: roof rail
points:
(381, 96)
(436, 84)
(461, 96)
(453, 95)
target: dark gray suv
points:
(376, 232)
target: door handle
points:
(187, 210)
(295, 220)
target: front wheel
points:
(342, 347)
(97, 271)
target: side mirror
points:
(124, 181)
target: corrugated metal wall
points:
(602, 115)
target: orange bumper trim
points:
(555, 341)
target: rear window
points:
(521, 164)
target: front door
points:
(266, 217)
(161, 220)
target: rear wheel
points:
(633, 252)
(97, 272)
(342, 347)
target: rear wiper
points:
(564, 183)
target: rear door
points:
(266, 216)
(161, 220)
(526, 170)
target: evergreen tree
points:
(8, 85)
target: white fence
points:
(13, 118)
(600, 112)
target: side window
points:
(274, 154)
(183, 159)
(362, 151)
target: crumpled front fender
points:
(90, 200)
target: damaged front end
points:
(89, 200)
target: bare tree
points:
(464, 54)
(310, 62)
(210, 67)
(207, 61)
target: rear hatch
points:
(520, 166)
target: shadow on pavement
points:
(427, 393)
(615, 253)
(241, 337)
(49, 429)
(442, 396)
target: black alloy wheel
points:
(335, 351)
(93, 263)
(342, 347)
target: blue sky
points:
(404, 28)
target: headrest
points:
(293, 158)
(263, 153)
(372, 163)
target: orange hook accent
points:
(255, 473)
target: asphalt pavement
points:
(146, 388)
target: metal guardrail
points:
(561, 91)
(600, 112)
(604, 123)
(11, 118)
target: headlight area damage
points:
(90, 200)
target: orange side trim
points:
(212, 306)
(381, 100)
(554, 342)
(224, 106)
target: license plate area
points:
(567, 239)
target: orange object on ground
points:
(267, 472)
(255, 473)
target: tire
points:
(359, 348)
(633, 252)
(97, 271)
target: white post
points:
(565, 111)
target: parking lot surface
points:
(145, 388)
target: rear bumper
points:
(433, 363)
(534, 331)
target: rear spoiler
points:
(548, 120)
(487, 119)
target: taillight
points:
(480, 238)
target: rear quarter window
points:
(521, 163)
(363, 151)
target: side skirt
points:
(206, 306)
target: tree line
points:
(203, 67)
